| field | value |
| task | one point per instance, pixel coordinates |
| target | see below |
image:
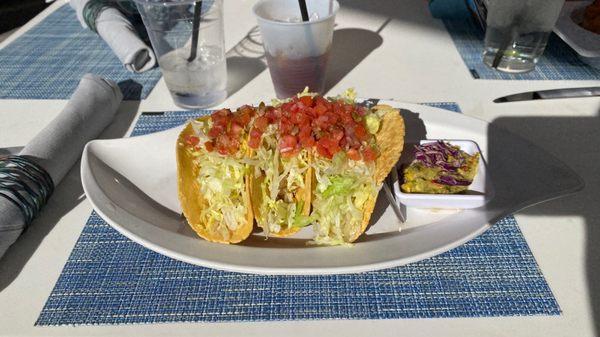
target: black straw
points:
(508, 41)
(499, 54)
(195, 29)
(303, 10)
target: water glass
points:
(187, 38)
(517, 32)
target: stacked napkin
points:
(58, 146)
(117, 31)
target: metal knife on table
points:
(550, 94)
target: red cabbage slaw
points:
(445, 156)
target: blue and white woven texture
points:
(559, 61)
(109, 279)
(48, 61)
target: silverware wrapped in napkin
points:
(27, 180)
(117, 31)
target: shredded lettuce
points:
(339, 200)
(329, 241)
(221, 181)
(282, 178)
(348, 96)
(277, 102)
(305, 92)
(338, 185)
(201, 128)
(301, 220)
(338, 162)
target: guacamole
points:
(440, 168)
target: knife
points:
(550, 94)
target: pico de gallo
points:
(329, 126)
(305, 121)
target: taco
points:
(355, 149)
(213, 175)
(282, 175)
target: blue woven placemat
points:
(108, 279)
(48, 61)
(559, 61)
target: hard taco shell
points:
(192, 201)
(390, 142)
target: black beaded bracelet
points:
(25, 184)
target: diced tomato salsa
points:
(227, 130)
(330, 126)
(303, 122)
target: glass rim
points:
(336, 7)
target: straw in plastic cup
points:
(188, 39)
(297, 52)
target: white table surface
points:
(416, 62)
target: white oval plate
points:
(131, 183)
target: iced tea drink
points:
(297, 51)
(291, 76)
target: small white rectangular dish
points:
(584, 42)
(479, 193)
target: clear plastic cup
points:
(517, 32)
(195, 72)
(297, 52)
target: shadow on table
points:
(575, 141)
(415, 12)
(245, 61)
(131, 90)
(347, 52)
(67, 195)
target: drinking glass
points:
(517, 32)
(297, 51)
(187, 38)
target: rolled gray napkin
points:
(59, 145)
(120, 35)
